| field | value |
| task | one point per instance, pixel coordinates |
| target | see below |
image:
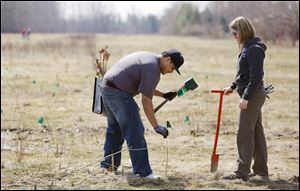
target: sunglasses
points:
(234, 33)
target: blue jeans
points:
(124, 123)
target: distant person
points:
(138, 72)
(251, 141)
(23, 32)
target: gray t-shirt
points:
(138, 72)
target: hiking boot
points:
(153, 179)
(116, 171)
(235, 176)
(137, 180)
(152, 176)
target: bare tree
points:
(290, 19)
(40, 16)
(182, 18)
(273, 21)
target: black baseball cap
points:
(176, 57)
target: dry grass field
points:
(51, 77)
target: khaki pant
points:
(251, 141)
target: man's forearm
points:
(158, 93)
(148, 108)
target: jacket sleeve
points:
(233, 85)
(255, 60)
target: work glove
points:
(162, 130)
(269, 89)
(170, 95)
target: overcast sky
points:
(142, 8)
(123, 8)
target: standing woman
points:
(251, 141)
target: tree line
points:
(273, 20)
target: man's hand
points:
(162, 130)
(170, 95)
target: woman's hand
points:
(243, 104)
(227, 91)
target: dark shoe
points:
(235, 176)
(261, 177)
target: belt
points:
(111, 84)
